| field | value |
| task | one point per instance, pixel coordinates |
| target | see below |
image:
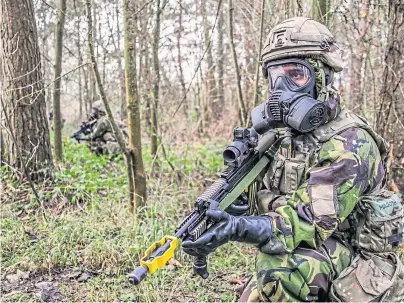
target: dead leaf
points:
(248, 251)
(169, 267)
(175, 262)
(237, 281)
(59, 207)
(53, 199)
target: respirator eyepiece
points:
(297, 73)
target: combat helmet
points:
(301, 37)
(98, 106)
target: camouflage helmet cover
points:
(99, 106)
(301, 37)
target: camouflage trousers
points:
(104, 148)
(301, 276)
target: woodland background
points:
(182, 74)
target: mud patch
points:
(24, 286)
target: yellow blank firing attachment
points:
(158, 254)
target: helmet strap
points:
(324, 94)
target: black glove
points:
(239, 207)
(249, 229)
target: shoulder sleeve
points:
(347, 166)
(101, 127)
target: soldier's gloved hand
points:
(249, 229)
(239, 207)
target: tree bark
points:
(122, 93)
(258, 66)
(23, 96)
(156, 82)
(209, 75)
(220, 68)
(117, 132)
(93, 80)
(80, 59)
(356, 74)
(132, 101)
(391, 111)
(87, 92)
(57, 117)
(241, 104)
(179, 57)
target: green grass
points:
(85, 225)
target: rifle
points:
(85, 128)
(246, 158)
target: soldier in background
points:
(102, 139)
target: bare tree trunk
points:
(80, 59)
(57, 117)
(356, 94)
(247, 58)
(242, 108)
(321, 11)
(179, 58)
(93, 80)
(391, 111)
(147, 91)
(122, 93)
(87, 93)
(93, 86)
(210, 78)
(156, 85)
(22, 94)
(104, 64)
(200, 103)
(45, 70)
(135, 143)
(258, 66)
(118, 134)
(220, 68)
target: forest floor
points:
(80, 242)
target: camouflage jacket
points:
(102, 131)
(327, 180)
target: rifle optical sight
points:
(244, 139)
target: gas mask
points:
(292, 100)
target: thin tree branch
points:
(201, 59)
